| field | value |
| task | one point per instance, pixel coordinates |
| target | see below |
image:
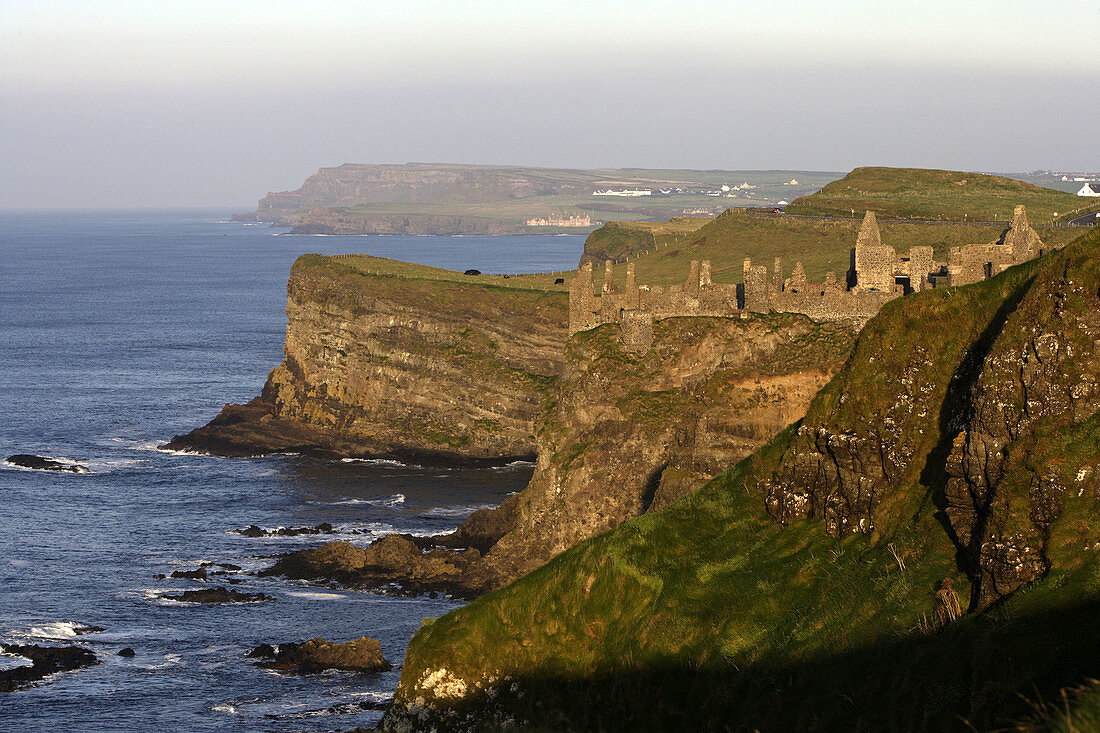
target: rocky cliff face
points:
(409, 368)
(621, 434)
(624, 434)
(957, 451)
(995, 416)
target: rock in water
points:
(218, 595)
(317, 655)
(127, 652)
(199, 574)
(44, 661)
(42, 463)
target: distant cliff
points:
(445, 198)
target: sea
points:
(120, 329)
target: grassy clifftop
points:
(919, 193)
(821, 584)
(821, 245)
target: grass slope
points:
(918, 193)
(821, 245)
(710, 616)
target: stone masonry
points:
(877, 274)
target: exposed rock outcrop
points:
(318, 655)
(218, 595)
(44, 661)
(41, 463)
(394, 563)
(414, 369)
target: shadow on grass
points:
(983, 673)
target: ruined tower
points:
(874, 263)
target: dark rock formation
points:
(254, 531)
(317, 655)
(45, 464)
(199, 574)
(218, 595)
(44, 661)
(395, 563)
(126, 652)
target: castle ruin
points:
(876, 275)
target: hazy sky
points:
(215, 103)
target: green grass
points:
(619, 240)
(821, 246)
(917, 193)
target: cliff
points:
(387, 359)
(620, 241)
(620, 434)
(445, 198)
(623, 434)
(919, 552)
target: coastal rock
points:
(199, 574)
(395, 563)
(218, 595)
(254, 531)
(127, 652)
(318, 655)
(45, 464)
(416, 370)
(44, 661)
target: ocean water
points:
(119, 330)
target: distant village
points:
(725, 190)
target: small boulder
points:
(127, 652)
(45, 464)
(218, 595)
(318, 655)
(199, 574)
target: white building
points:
(1090, 189)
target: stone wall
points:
(877, 275)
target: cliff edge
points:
(387, 359)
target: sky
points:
(200, 103)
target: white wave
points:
(514, 465)
(387, 501)
(11, 661)
(376, 462)
(314, 596)
(463, 510)
(225, 708)
(352, 531)
(59, 630)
